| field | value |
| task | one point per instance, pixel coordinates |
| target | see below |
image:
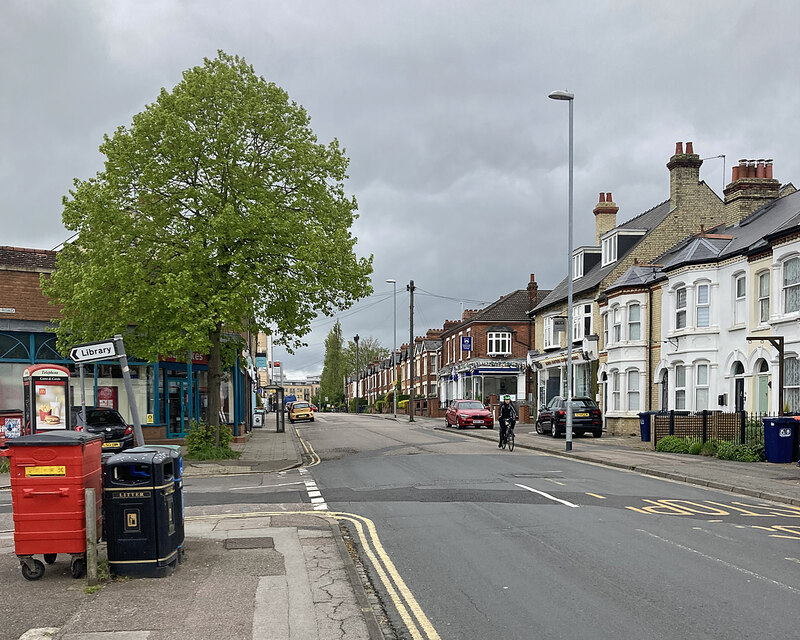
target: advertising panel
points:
(46, 398)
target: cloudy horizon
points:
(458, 158)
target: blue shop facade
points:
(169, 394)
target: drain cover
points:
(250, 543)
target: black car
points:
(117, 434)
(586, 417)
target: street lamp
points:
(356, 341)
(569, 97)
(394, 348)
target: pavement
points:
(287, 574)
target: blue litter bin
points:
(779, 438)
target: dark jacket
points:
(507, 411)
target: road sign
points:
(93, 351)
(466, 343)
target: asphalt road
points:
(493, 544)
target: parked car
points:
(314, 407)
(586, 417)
(117, 433)
(301, 411)
(468, 413)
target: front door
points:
(177, 408)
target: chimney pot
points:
(678, 148)
(533, 277)
(608, 197)
(768, 169)
(760, 172)
(689, 147)
(602, 197)
(735, 173)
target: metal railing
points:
(739, 427)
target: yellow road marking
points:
(595, 495)
(404, 600)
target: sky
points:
(458, 160)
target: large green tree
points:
(369, 349)
(217, 210)
(331, 384)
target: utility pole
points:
(411, 349)
(357, 376)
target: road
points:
(492, 544)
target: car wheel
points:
(539, 428)
(598, 433)
(446, 422)
(458, 424)
(553, 430)
(311, 419)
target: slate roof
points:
(512, 307)
(774, 219)
(27, 258)
(646, 221)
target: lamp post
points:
(394, 349)
(356, 341)
(569, 97)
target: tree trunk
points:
(214, 378)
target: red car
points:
(468, 413)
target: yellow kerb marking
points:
(595, 495)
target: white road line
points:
(264, 486)
(548, 496)
(314, 494)
(722, 562)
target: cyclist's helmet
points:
(507, 398)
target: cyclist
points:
(508, 417)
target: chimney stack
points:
(751, 187)
(533, 292)
(605, 216)
(684, 173)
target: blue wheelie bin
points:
(779, 438)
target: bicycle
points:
(509, 436)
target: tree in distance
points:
(331, 384)
(217, 212)
(369, 349)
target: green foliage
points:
(379, 406)
(738, 452)
(673, 444)
(695, 448)
(369, 349)
(331, 384)
(216, 207)
(362, 403)
(402, 404)
(709, 448)
(92, 589)
(5, 465)
(200, 442)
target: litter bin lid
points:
(54, 439)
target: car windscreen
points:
(300, 405)
(463, 406)
(101, 418)
(583, 403)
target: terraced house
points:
(617, 247)
(724, 307)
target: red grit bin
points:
(49, 472)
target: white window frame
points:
(701, 386)
(637, 322)
(633, 382)
(616, 324)
(739, 298)
(606, 322)
(609, 250)
(615, 392)
(791, 383)
(549, 334)
(680, 387)
(577, 265)
(498, 343)
(680, 308)
(581, 315)
(763, 296)
(702, 305)
(785, 287)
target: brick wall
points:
(19, 290)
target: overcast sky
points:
(458, 159)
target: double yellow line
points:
(417, 623)
(315, 459)
(407, 606)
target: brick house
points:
(500, 337)
(617, 247)
(710, 296)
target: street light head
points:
(561, 95)
(356, 339)
(390, 281)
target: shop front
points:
(482, 379)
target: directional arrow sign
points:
(93, 351)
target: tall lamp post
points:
(394, 348)
(569, 97)
(356, 341)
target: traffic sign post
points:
(108, 350)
